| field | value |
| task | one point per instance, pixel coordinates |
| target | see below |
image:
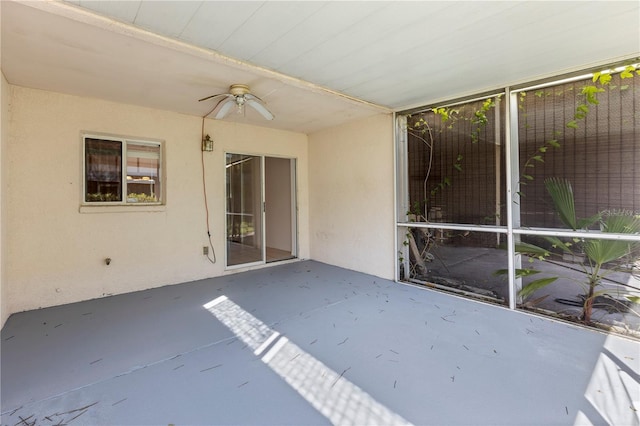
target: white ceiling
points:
(317, 64)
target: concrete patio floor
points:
(306, 343)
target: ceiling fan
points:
(238, 96)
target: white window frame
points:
(513, 228)
(125, 141)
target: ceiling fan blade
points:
(223, 108)
(252, 96)
(260, 108)
(214, 96)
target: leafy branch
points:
(598, 252)
(449, 116)
(480, 119)
(536, 157)
(589, 93)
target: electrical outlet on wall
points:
(205, 250)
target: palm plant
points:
(597, 252)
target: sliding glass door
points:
(244, 209)
(260, 209)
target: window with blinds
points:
(121, 171)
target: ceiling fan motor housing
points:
(239, 89)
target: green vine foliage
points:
(600, 82)
(480, 119)
(450, 117)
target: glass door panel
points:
(244, 209)
(280, 214)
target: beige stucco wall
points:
(55, 253)
(351, 196)
(4, 130)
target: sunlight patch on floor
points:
(339, 400)
(614, 388)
